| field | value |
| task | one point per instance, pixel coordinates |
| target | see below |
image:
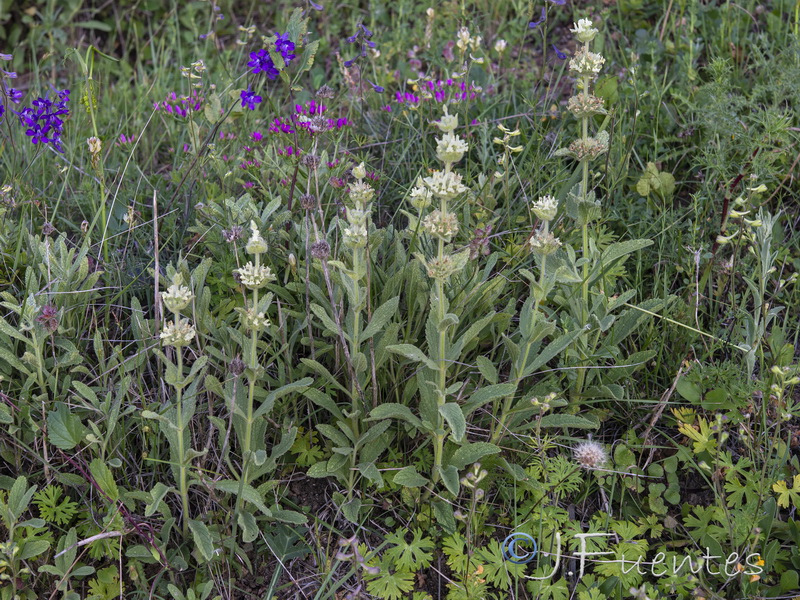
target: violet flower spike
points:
(285, 46)
(535, 24)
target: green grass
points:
(337, 450)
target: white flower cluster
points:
(443, 225)
(544, 243)
(254, 277)
(583, 30)
(448, 122)
(178, 333)
(445, 184)
(256, 244)
(356, 234)
(253, 320)
(421, 196)
(450, 148)
(545, 208)
(586, 63)
(465, 40)
(177, 296)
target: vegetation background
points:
(264, 335)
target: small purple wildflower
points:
(285, 46)
(5, 56)
(15, 95)
(2, 109)
(535, 24)
(43, 120)
(376, 87)
(250, 99)
(180, 106)
(559, 53)
(360, 37)
(558, 2)
(261, 62)
(314, 5)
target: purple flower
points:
(2, 109)
(314, 5)
(559, 54)
(535, 24)
(250, 99)
(559, 2)
(261, 62)
(5, 56)
(15, 95)
(361, 38)
(43, 120)
(376, 87)
(285, 46)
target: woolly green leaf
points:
(33, 549)
(450, 479)
(19, 497)
(454, 416)
(104, 478)
(413, 353)
(247, 522)
(249, 493)
(408, 477)
(487, 369)
(552, 350)
(381, 317)
(393, 410)
(202, 539)
(269, 401)
(487, 394)
(471, 453)
(64, 430)
(289, 516)
(573, 421)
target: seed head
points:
(325, 92)
(321, 250)
(310, 160)
(232, 234)
(308, 201)
(590, 455)
(236, 367)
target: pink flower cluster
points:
(301, 120)
(180, 105)
(439, 91)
